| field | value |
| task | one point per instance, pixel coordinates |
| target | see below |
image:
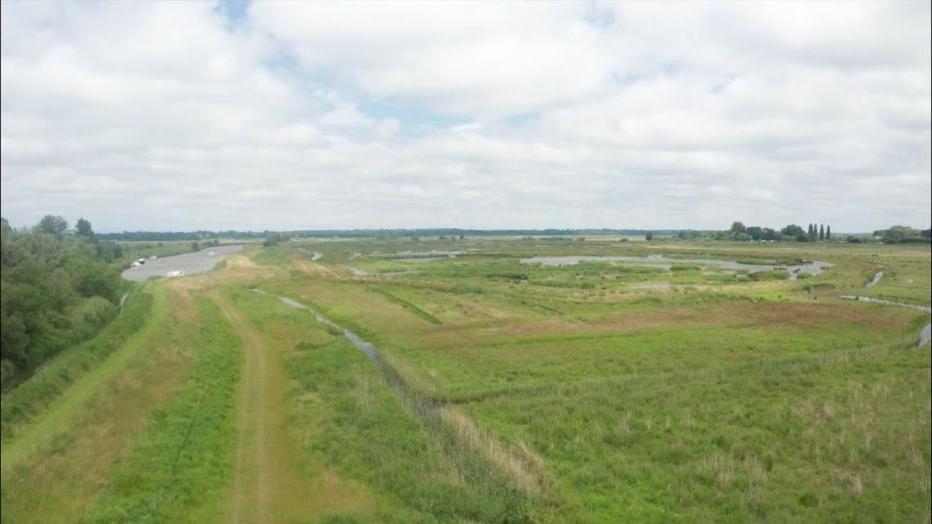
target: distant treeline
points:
(791, 232)
(59, 287)
(377, 233)
(738, 231)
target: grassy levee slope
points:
(21, 404)
(181, 464)
(59, 413)
(56, 464)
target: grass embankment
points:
(374, 458)
(29, 398)
(59, 461)
(180, 465)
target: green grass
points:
(407, 305)
(31, 436)
(29, 398)
(843, 437)
(356, 424)
(589, 393)
(180, 466)
(93, 425)
(368, 436)
(711, 397)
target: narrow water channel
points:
(925, 334)
(419, 404)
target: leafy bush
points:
(54, 287)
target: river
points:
(187, 263)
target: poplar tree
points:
(821, 232)
(828, 232)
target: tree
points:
(6, 232)
(649, 236)
(828, 232)
(821, 232)
(195, 246)
(793, 231)
(53, 225)
(898, 234)
(108, 250)
(274, 237)
(84, 228)
(56, 291)
(737, 228)
(755, 232)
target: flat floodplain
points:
(643, 382)
(682, 391)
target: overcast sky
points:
(307, 115)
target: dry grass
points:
(519, 462)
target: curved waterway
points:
(370, 351)
(925, 335)
(877, 276)
(187, 263)
(812, 267)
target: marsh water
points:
(189, 263)
(663, 262)
(925, 334)
(420, 406)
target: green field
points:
(607, 390)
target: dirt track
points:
(266, 484)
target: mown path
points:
(267, 486)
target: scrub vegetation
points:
(494, 388)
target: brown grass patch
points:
(793, 316)
(519, 463)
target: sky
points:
(313, 115)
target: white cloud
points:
(164, 116)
